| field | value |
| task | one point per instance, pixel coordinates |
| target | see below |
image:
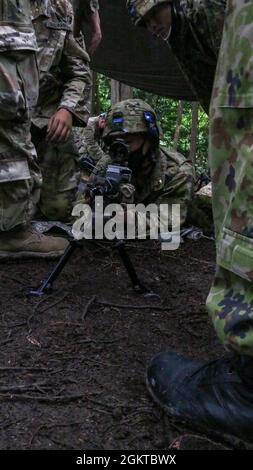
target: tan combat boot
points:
(28, 243)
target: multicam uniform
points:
(167, 178)
(19, 175)
(65, 82)
(90, 142)
(194, 39)
(230, 301)
(169, 182)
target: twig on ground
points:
(43, 309)
(53, 425)
(12, 278)
(54, 303)
(87, 306)
(47, 399)
(134, 307)
(34, 369)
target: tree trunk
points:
(180, 110)
(120, 91)
(194, 131)
(95, 101)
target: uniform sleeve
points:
(178, 189)
(76, 76)
(211, 14)
(103, 163)
(93, 148)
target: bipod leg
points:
(47, 285)
(137, 284)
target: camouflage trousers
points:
(59, 173)
(20, 176)
(230, 301)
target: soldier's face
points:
(158, 20)
(134, 141)
(101, 122)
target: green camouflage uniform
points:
(19, 174)
(168, 179)
(230, 301)
(170, 182)
(194, 40)
(65, 82)
(90, 142)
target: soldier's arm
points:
(88, 11)
(178, 189)
(212, 21)
(93, 148)
(103, 163)
(77, 80)
(96, 33)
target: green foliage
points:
(104, 90)
(166, 110)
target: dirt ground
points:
(72, 364)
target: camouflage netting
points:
(132, 56)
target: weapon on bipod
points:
(107, 185)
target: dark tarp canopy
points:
(132, 56)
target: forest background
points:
(184, 124)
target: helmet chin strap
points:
(166, 37)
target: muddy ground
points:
(72, 364)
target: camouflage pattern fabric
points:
(195, 39)
(230, 301)
(60, 178)
(167, 177)
(16, 30)
(65, 82)
(132, 111)
(169, 182)
(137, 9)
(90, 142)
(65, 78)
(20, 176)
(200, 213)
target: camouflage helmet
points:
(131, 116)
(137, 9)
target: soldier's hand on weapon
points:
(127, 191)
(60, 126)
(87, 163)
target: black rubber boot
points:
(213, 398)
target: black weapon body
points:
(106, 184)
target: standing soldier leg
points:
(217, 396)
(20, 176)
(60, 178)
(230, 301)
